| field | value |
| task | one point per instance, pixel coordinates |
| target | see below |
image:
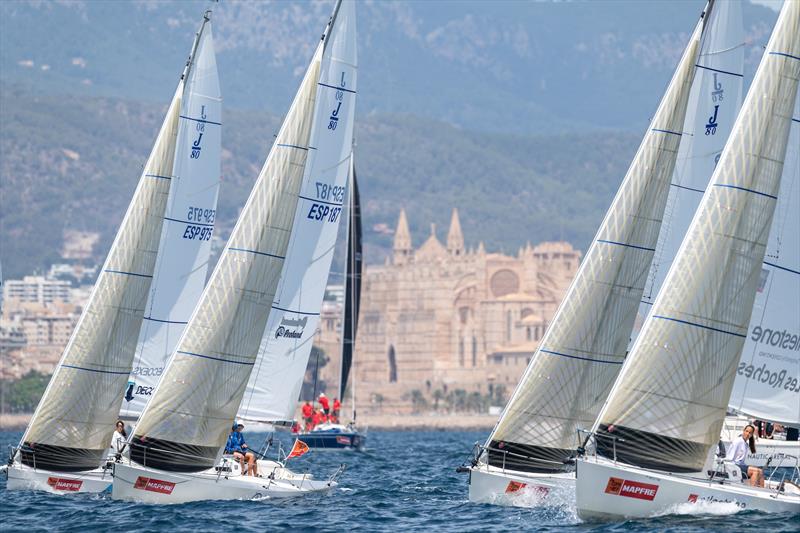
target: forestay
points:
(72, 425)
(185, 246)
(277, 377)
(714, 103)
(575, 365)
(669, 403)
(767, 384)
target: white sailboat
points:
(655, 434)
(265, 286)
(569, 376)
(65, 445)
(336, 435)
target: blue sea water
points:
(406, 481)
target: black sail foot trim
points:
(172, 456)
(650, 450)
(60, 458)
(527, 458)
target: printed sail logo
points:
(285, 329)
(631, 489)
(154, 485)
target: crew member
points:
(238, 447)
(738, 454)
(337, 406)
(119, 440)
(308, 413)
(323, 401)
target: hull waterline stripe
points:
(700, 326)
(151, 319)
(667, 131)
(337, 88)
(717, 70)
(188, 222)
(745, 190)
(627, 245)
(782, 268)
(127, 273)
(158, 177)
(256, 252)
(687, 188)
(292, 146)
(201, 120)
(292, 311)
(319, 201)
(95, 370)
(790, 56)
(581, 358)
(216, 358)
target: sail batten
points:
(584, 347)
(669, 402)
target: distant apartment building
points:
(36, 289)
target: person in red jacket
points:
(316, 418)
(325, 403)
(308, 412)
(337, 406)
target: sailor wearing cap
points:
(238, 447)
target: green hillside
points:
(72, 162)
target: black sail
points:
(352, 293)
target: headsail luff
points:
(185, 245)
(767, 384)
(187, 421)
(72, 425)
(575, 365)
(277, 376)
(669, 402)
(352, 285)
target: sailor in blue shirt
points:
(238, 447)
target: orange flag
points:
(298, 449)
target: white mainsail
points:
(714, 103)
(277, 376)
(185, 246)
(767, 384)
(72, 425)
(667, 407)
(575, 365)
(187, 421)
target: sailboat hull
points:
(22, 477)
(140, 484)
(497, 486)
(334, 437)
(611, 491)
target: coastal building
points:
(443, 323)
(36, 289)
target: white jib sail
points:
(577, 360)
(182, 264)
(75, 418)
(714, 103)
(669, 402)
(277, 377)
(767, 384)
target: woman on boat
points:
(119, 440)
(738, 453)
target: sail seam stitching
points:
(700, 326)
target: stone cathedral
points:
(444, 317)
